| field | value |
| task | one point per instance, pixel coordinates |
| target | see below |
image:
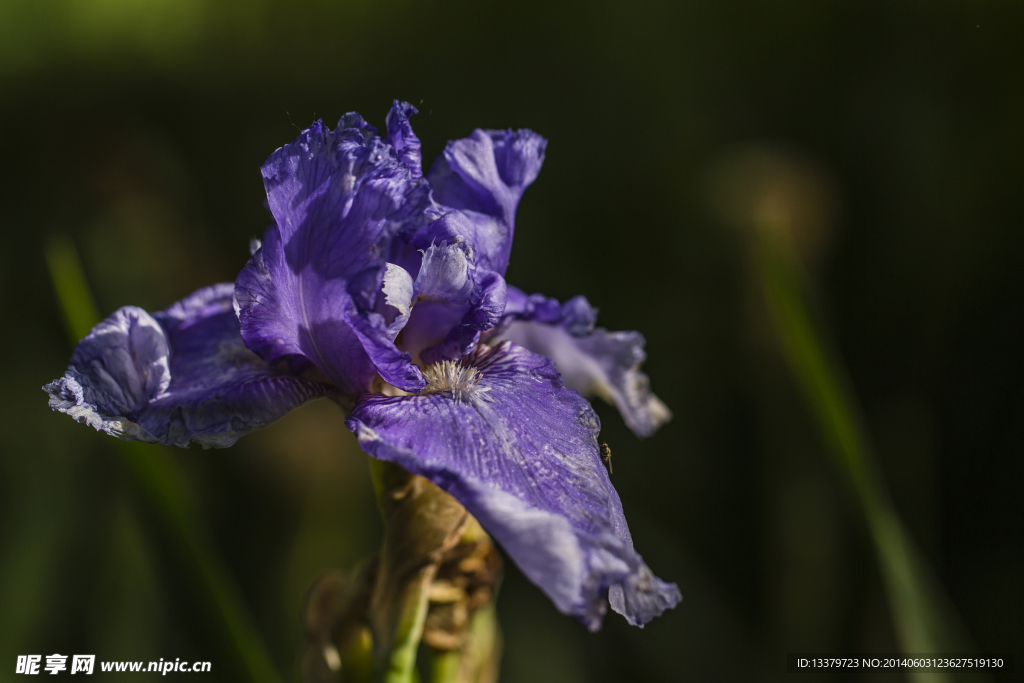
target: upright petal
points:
(401, 137)
(486, 305)
(500, 433)
(484, 176)
(442, 291)
(454, 300)
(180, 375)
(591, 360)
(444, 274)
(338, 198)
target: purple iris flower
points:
(384, 289)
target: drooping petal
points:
(593, 361)
(338, 198)
(117, 369)
(484, 177)
(500, 433)
(180, 375)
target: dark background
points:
(138, 129)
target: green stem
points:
(446, 667)
(399, 665)
(476, 661)
(422, 522)
(164, 492)
(399, 604)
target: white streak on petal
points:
(398, 289)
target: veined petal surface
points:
(593, 361)
(401, 137)
(500, 433)
(484, 177)
(337, 198)
(180, 375)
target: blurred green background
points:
(883, 141)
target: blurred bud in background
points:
(338, 640)
(772, 188)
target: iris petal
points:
(520, 452)
(401, 137)
(180, 375)
(398, 293)
(484, 177)
(591, 360)
(338, 198)
(453, 302)
(444, 274)
(486, 304)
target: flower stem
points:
(399, 662)
(477, 660)
(422, 523)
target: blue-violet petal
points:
(337, 198)
(180, 375)
(593, 361)
(499, 432)
(401, 137)
(484, 177)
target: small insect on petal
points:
(606, 456)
